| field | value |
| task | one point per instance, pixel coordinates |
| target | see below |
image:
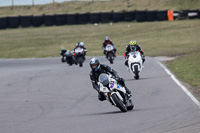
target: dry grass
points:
(99, 6)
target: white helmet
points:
(81, 44)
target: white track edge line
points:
(179, 84)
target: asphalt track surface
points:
(47, 96)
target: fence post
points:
(170, 15)
(12, 3)
(33, 2)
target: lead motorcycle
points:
(114, 92)
(109, 51)
(80, 55)
(135, 63)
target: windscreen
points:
(103, 78)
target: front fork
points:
(121, 96)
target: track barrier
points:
(98, 17)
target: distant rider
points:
(106, 42)
(98, 69)
(133, 46)
(63, 51)
(81, 45)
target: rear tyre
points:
(130, 105)
(120, 104)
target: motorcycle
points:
(135, 63)
(109, 51)
(114, 92)
(80, 55)
(67, 56)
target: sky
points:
(27, 2)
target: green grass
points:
(187, 68)
(156, 38)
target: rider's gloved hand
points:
(143, 57)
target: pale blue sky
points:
(27, 2)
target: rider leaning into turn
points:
(133, 46)
(97, 69)
(106, 42)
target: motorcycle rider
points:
(97, 69)
(81, 45)
(133, 46)
(62, 53)
(106, 42)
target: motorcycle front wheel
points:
(136, 72)
(110, 58)
(119, 103)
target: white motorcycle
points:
(110, 53)
(135, 63)
(114, 92)
(80, 56)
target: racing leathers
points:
(78, 45)
(94, 75)
(136, 48)
(107, 42)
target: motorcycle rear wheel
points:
(130, 106)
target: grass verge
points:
(187, 68)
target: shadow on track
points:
(133, 79)
(108, 113)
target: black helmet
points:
(95, 64)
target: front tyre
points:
(80, 64)
(136, 72)
(111, 58)
(119, 103)
(62, 59)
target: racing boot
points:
(101, 97)
(128, 92)
(114, 54)
(126, 63)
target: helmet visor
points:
(94, 66)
